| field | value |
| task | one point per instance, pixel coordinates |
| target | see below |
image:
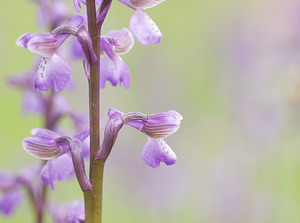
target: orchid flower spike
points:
(140, 24)
(112, 67)
(156, 127)
(53, 70)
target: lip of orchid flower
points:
(140, 24)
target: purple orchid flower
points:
(10, 193)
(156, 127)
(112, 67)
(53, 70)
(49, 145)
(140, 24)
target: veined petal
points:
(44, 44)
(45, 150)
(52, 71)
(161, 125)
(156, 151)
(122, 40)
(144, 3)
(144, 29)
(57, 170)
(42, 144)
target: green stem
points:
(94, 199)
(87, 204)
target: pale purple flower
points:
(10, 193)
(49, 145)
(53, 70)
(156, 127)
(140, 24)
(10, 200)
(112, 67)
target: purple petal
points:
(77, 51)
(52, 71)
(122, 40)
(44, 44)
(10, 201)
(144, 29)
(161, 125)
(57, 170)
(156, 151)
(114, 71)
(43, 144)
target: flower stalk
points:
(93, 199)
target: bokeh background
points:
(231, 68)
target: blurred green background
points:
(231, 68)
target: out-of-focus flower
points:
(156, 127)
(140, 24)
(71, 213)
(112, 67)
(10, 193)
